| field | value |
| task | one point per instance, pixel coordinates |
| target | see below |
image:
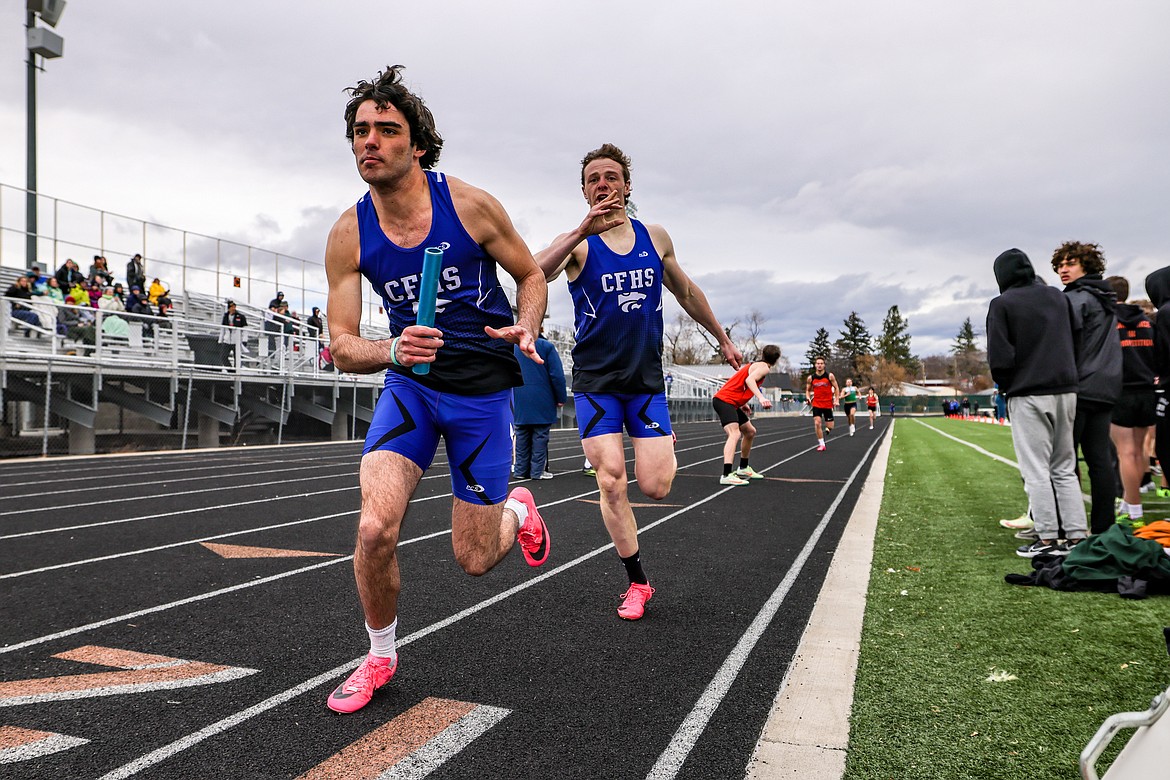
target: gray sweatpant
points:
(1042, 432)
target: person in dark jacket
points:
(1134, 413)
(1030, 338)
(1080, 267)
(136, 272)
(1158, 289)
(536, 404)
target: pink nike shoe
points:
(358, 689)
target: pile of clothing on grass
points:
(1134, 563)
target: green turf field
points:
(962, 675)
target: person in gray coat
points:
(1030, 338)
(535, 408)
(1080, 267)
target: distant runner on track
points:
(849, 403)
(822, 392)
(871, 403)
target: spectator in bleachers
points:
(22, 290)
(99, 273)
(277, 301)
(137, 302)
(271, 325)
(110, 301)
(38, 283)
(314, 323)
(53, 291)
(120, 294)
(234, 318)
(68, 275)
(136, 272)
(80, 292)
(156, 291)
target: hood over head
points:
(1158, 287)
(1014, 269)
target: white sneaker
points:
(851, 429)
(732, 479)
(546, 475)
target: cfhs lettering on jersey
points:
(636, 279)
(406, 288)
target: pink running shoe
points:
(634, 605)
(533, 536)
(356, 692)
(820, 448)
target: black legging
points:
(1091, 434)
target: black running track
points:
(129, 648)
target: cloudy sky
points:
(808, 159)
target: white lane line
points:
(975, 447)
(671, 760)
(446, 744)
(178, 746)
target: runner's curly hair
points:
(1090, 256)
(609, 152)
(387, 89)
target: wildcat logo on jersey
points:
(631, 300)
(440, 306)
(406, 288)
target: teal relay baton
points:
(428, 292)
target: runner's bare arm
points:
(569, 249)
(689, 296)
(757, 372)
(350, 351)
(489, 224)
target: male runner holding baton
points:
(466, 396)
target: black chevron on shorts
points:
(406, 426)
(650, 423)
(598, 413)
(465, 470)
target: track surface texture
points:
(129, 647)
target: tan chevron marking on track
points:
(412, 744)
(142, 672)
(17, 744)
(240, 551)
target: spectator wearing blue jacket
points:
(536, 404)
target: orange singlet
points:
(822, 391)
(735, 391)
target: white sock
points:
(382, 640)
(1135, 511)
(852, 428)
(1122, 508)
(519, 508)
(821, 442)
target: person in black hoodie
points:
(1158, 288)
(1098, 370)
(1135, 410)
(1031, 332)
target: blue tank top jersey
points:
(618, 305)
(470, 296)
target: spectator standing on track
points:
(1030, 341)
(536, 404)
(822, 391)
(731, 404)
(466, 396)
(617, 268)
(1099, 375)
(1135, 411)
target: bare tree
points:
(681, 342)
(754, 325)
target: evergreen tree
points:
(855, 343)
(893, 345)
(819, 347)
(964, 343)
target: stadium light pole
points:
(48, 45)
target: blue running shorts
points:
(409, 418)
(644, 415)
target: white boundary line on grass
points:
(975, 447)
